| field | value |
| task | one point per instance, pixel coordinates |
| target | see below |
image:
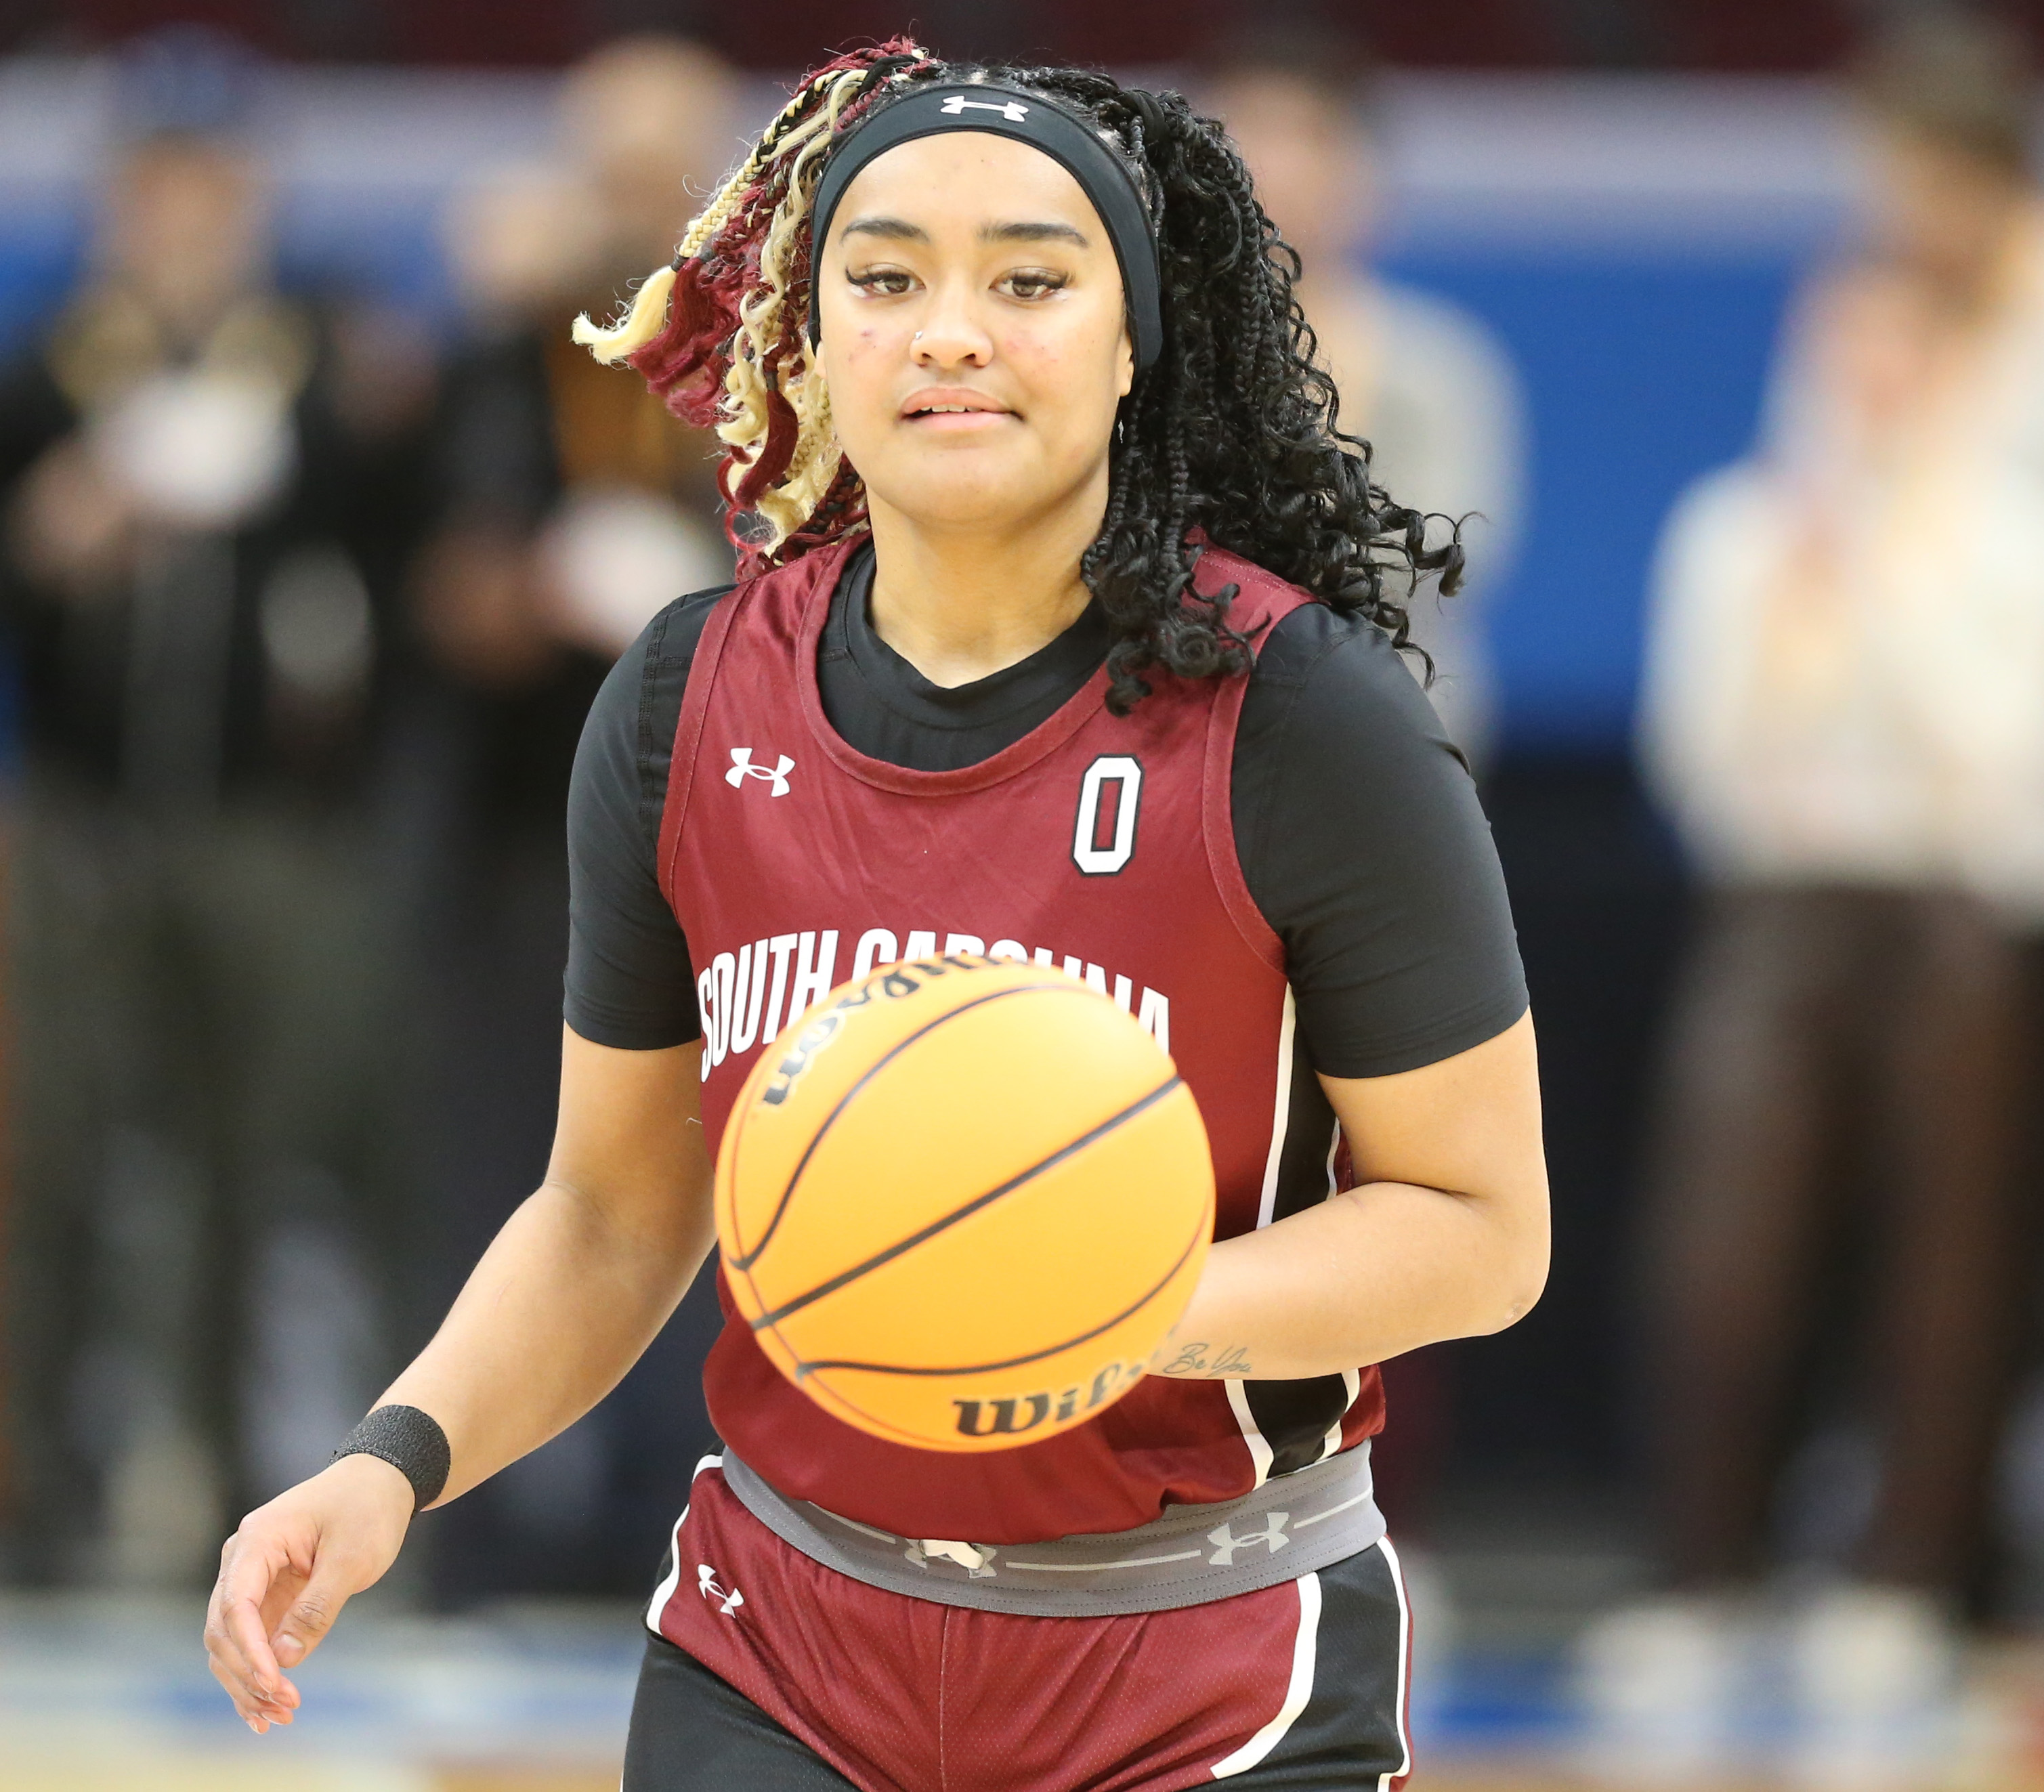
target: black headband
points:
(1101, 172)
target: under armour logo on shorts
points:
(1226, 1543)
(742, 768)
(706, 1586)
(977, 1559)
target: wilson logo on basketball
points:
(1011, 1417)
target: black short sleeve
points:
(630, 983)
(1363, 841)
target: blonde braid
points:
(647, 312)
(813, 464)
(770, 376)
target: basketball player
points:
(1068, 628)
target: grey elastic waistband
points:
(1194, 1554)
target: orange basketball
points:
(961, 1202)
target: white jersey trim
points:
(665, 1591)
(1331, 1445)
(1288, 1027)
(1305, 1649)
(1351, 1379)
(1260, 1454)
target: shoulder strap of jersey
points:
(1262, 601)
(794, 585)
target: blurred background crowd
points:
(1721, 323)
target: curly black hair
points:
(1232, 435)
(1235, 430)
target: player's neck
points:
(964, 604)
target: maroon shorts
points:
(815, 1681)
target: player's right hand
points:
(287, 1572)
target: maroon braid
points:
(691, 359)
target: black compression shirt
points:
(1355, 821)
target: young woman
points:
(1041, 493)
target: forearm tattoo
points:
(1214, 1360)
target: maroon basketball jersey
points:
(1101, 845)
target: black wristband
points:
(412, 1442)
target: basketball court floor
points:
(106, 1694)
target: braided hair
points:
(1231, 436)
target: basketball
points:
(960, 1201)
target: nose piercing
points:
(917, 337)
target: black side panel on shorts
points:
(1352, 1733)
(693, 1733)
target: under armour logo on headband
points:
(1012, 110)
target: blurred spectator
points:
(570, 508)
(199, 477)
(606, 504)
(1843, 718)
(1428, 384)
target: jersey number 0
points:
(1103, 839)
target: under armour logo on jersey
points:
(1226, 1543)
(706, 1586)
(742, 768)
(1014, 111)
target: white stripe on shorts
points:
(665, 1591)
(1304, 1647)
(1383, 1781)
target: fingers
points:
(237, 1648)
(257, 1708)
(311, 1615)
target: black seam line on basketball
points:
(943, 1223)
(803, 1370)
(830, 1119)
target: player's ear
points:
(1124, 363)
